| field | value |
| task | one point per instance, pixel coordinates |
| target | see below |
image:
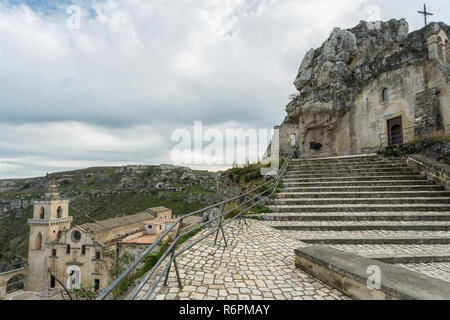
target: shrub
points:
(261, 209)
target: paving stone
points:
(257, 264)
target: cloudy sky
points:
(112, 91)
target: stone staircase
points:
(368, 205)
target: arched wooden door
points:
(395, 131)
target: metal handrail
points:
(103, 294)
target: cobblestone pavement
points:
(439, 270)
(257, 264)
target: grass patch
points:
(261, 209)
(245, 174)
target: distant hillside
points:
(97, 194)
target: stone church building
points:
(369, 87)
(73, 255)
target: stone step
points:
(397, 253)
(371, 237)
(364, 201)
(378, 240)
(376, 178)
(380, 173)
(296, 162)
(420, 258)
(382, 183)
(342, 159)
(381, 188)
(362, 208)
(355, 216)
(357, 194)
(346, 166)
(351, 171)
(348, 272)
(362, 226)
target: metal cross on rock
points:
(425, 13)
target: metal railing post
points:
(220, 227)
(242, 215)
(172, 258)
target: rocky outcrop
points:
(329, 77)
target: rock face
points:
(330, 75)
(333, 77)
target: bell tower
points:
(50, 219)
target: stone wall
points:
(430, 168)
(6, 276)
(427, 116)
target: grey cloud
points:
(121, 86)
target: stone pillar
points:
(443, 53)
(447, 52)
(2, 290)
(438, 44)
(286, 129)
(433, 47)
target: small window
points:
(52, 281)
(160, 227)
(53, 252)
(68, 249)
(150, 226)
(385, 94)
(97, 255)
(76, 235)
(42, 214)
(38, 242)
(97, 284)
(83, 249)
(59, 213)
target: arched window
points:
(42, 213)
(68, 249)
(385, 94)
(38, 242)
(441, 48)
(59, 212)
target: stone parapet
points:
(430, 168)
(48, 222)
(350, 274)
